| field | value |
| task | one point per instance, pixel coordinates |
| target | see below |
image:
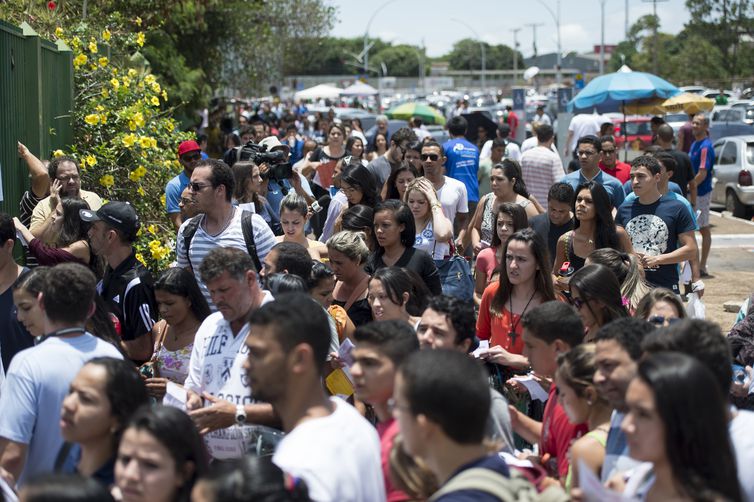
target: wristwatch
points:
(240, 415)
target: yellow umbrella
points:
(688, 102)
(650, 106)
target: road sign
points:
(565, 94)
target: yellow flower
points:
(139, 119)
(59, 32)
(80, 61)
(151, 228)
(164, 95)
(140, 39)
(138, 21)
(99, 108)
(75, 42)
(155, 87)
(58, 153)
(154, 101)
(132, 73)
(141, 192)
(106, 35)
(103, 117)
(149, 79)
(141, 171)
(107, 181)
(133, 176)
(162, 199)
(141, 259)
(105, 93)
(91, 160)
(115, 83)
(126, 82)
(103, 61)
(93, 47)
(153, 143)
(92, 119)
(129, 140)
(145, 142)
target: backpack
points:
(247, 226)
(516, 488)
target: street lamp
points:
(556, 18)
(602, 38)
(366, 35)
(484, 53)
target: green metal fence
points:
(36, 98)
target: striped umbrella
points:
(405, 111)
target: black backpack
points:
(247, 226)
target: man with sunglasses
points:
(450, 192)
(189, 154)
(609, 162)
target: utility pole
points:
(602, 38)
(654, 34)
(625, 37)
(515, 54)
(534, 35)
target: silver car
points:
(732, 176)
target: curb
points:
(729, 215)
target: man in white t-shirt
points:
(328, 443)
(451, 193)
(219, 398)
(38, 378)
(584, 124)
(512, 150)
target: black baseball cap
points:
(119, 215)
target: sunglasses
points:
(196, 187)
(659, 320)
(430, 156)
(189, 157)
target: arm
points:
(40, 223)
(139, 349)
(625, 241)
(220, 414)
(176, 219)
(13, 456)
(685, 251)
(566, 151)
(524, 426)
(692, 192)
(473, 230)
(537, 206)
(40, 179)
(591, 452)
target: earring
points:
(589, 402)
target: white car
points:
(732, 184)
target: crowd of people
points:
(390, 319)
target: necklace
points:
(227, 221)
(512, 334)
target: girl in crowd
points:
(321, 284)
(395, 232)
(583, 404)
(356, 125)
(101, 399)
(25, 295)
(433, 230)
(70, 235)
(160, 457)
(359, 185)
(182, 309)
(348, 253)
(678, 420)
(394, 296)
(524, 283)
(510, 218)
(355, 148)
(661, 307)
(593, 228)
(248, 193)
(380, 146)
(627, 270)
(398, 181)
(64, 488)
(360, 218)
(507, 186)
(595, 292)
(413, 156)
(321, 162)
(294, 213)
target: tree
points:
(400, 60)
(467, 55)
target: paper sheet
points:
(7, 492)
(536, 391)
(593, 489)
(484, 346)
(175, 396)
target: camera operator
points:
(278, 176)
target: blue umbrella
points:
(612, 91)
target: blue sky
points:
(431, 21)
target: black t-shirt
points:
(13, 336)
(683, 172)
(415, 260)
(550, 233)
(129, 292)
(360, 312)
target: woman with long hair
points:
(433, 230)
(348, 253)
(524, 283)
(182, 309)
(248, 193)
(359, 185)
(507, 186)
(627, 270)
(677, 419)
(359, 218)
(380, 147)
(398, 181)
(661, 307)
(294, 213)
(321, 162)
(582, 403)
(355, 148)
(509, 218)
(160, 456)
(593, 228)
(395, 294)
(71, 241)
(595, 292)
(101, 399)
(395, 232)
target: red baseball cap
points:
(188, 146)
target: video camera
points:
(280, 168)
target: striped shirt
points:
(202, 243)
(541, 168)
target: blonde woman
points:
(433, 229)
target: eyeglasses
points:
(196, 187)
(65, 179)
(430, 156)
(186, 201)
(577, 302)
(659, 320)
(608, 151)
(349, 190)
(586, 153)
(190, 157)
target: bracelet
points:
(697, 286)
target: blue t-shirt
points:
(672, 187)
(703, 156)
(611, 184)
(173, 191)
(463, 164)
(491, 462)
(654, 230)
(675, 195)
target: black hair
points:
(665, 132)
(220, 260)
(697, 338)
(517, 214)
(361, 178)
(597, 282)
(176, 432)
(667, 160)
(512, 170)
(396, 281)
(349, 145)
(457, 126)
(684, 388)
(293, 258)
(68, 293)
(57, 487)
(220, 175)
(648, 161)
(460, 315)
(504, 130)
(403, 134)
(403, 216)
(124, 388)
(628, 332)
(359, 218)
(101, 324)
(431, 143)
(320, 271)
(179, 281)
(52, 168)
(374, 141)
(416, 146)
(396, 339)
(253, 478)
(430, 376)
(74, 229)
(544, 133)
(31, 280)
(296, 318)
(7, 228)
(281, 282)
(590, 139)
(561, 192)
(392, 190)
(657, 120)
(552, 321)
(607, 139)
(605, 232)
(499, 143)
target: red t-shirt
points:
(622, 170)
(387, 431)
(558, 433)
(497, 327)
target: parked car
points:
(638, 133)
(696, 89)
(732, 176)
(718, 130)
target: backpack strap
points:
(485, 480)
(188, 233)
(247, 226)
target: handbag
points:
(455, 275)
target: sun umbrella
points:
(474, 121)
(688, 103)
(321, 91)
(405, 111)
(359, 89)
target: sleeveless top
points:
(488, 216)
(425, 240)
(601, 439)
(174, 365)
(577, 262)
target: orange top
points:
(497, 327)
